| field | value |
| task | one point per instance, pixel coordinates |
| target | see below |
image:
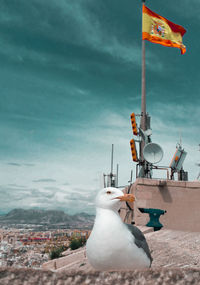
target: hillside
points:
(48, 219)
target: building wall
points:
(180, 199)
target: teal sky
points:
(70, 76)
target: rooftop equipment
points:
(176, 164)
(153, 153)
(154, 216)
(112, 179)
(150, 153)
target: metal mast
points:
(198, 177)
(112, 176)
(143, 105)
(112, 181)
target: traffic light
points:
(133, 150)
(134, 125)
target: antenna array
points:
(111, 179)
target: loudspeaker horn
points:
(153, 153)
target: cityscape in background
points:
(30, 245)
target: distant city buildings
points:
(25, 248)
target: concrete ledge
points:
(157, 276)
(163, 182)
(145, 230)
(73, 256)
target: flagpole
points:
(143, 103)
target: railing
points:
(166, 168)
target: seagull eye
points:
(109, 192)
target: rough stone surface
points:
(169, 249)
(174, 248)
(176, 261)
(158, 276)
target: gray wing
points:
(140, 240)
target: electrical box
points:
(178, 159)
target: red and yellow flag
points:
(159, 30)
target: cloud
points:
(70, 79)
(71, 199)
(189, 10)
(17, 186)
(86, 163)
(22, 164)
(14, 164)
(45, 180)
(29, 164)
(31, 40)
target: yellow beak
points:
(126, 197)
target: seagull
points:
(112, 244)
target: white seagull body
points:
(112, 244)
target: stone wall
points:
(157, 276)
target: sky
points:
(70, 76)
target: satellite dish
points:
(153, 153)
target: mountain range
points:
(46, 219)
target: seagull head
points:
(111, 198)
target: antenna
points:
(198, 164)
(180, 139)
(112, 179)
(117, 175)
(153, 153)
(112, 158)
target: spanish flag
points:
(159, 30)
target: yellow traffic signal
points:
(134, 125)
(133, 150)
